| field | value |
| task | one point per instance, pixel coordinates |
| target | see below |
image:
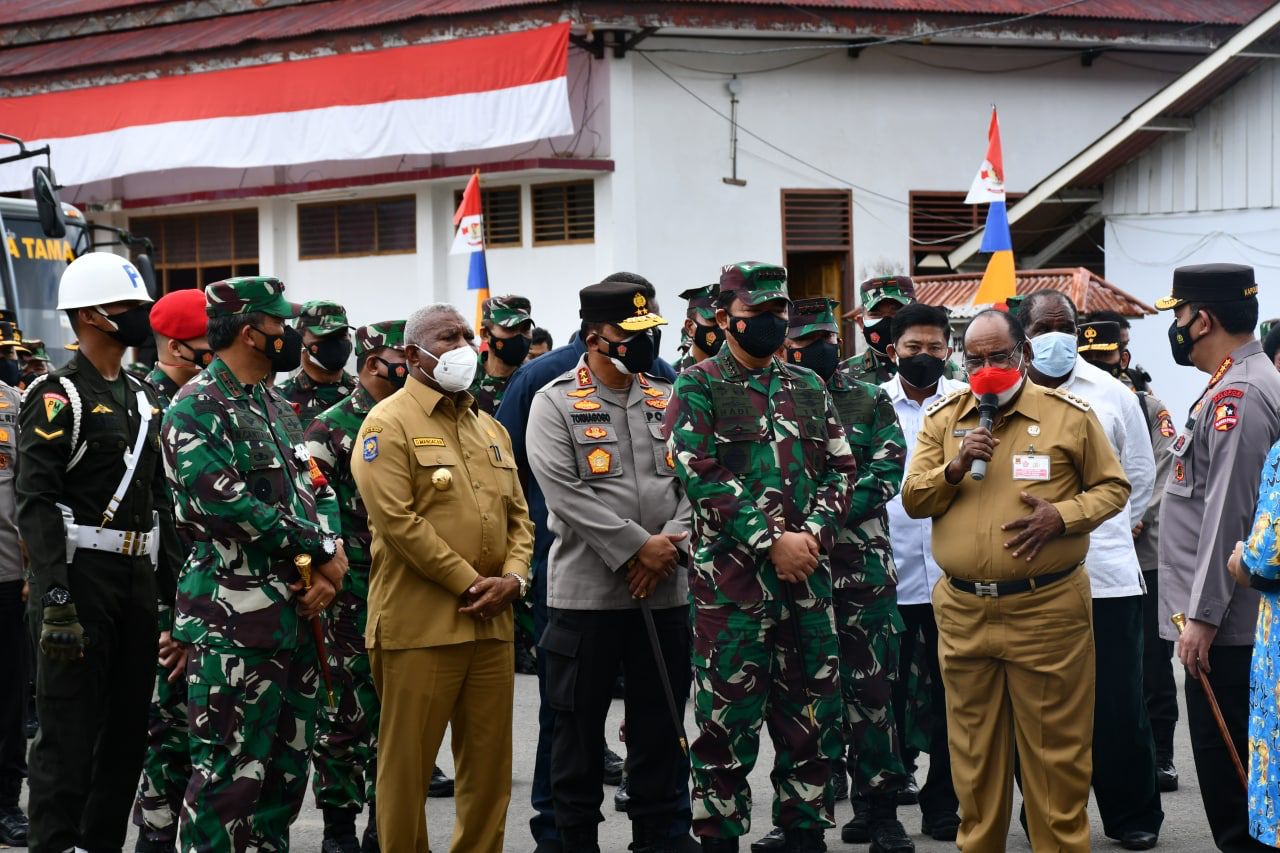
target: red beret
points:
(180, 315)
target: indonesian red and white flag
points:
(469, 218)
(458, 95)
(988, 184)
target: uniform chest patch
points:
(428, 441)
(597, 418)
(1224, 417)
(586, 405)
(1179, 472)
(580, 393)
(656, 404)
(1166, 423)
(598, 461)
(100, 409)
(654, 392)
(595, 432)
(370, 448)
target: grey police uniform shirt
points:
(1163, 430)
(609, 483)
(10, 550)
(1211, 494)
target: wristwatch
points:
(57, 596)
(329, 545)
(524, 584)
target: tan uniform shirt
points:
(1085, 482)
(445, 509)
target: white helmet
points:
(100, 278)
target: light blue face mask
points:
(1053, 354)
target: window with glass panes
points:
(195, 249)
(345, 229)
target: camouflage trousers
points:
(252, 717)
(918, 709)
(346, 750)
(747, 671)
(869, 626)
(166, 767)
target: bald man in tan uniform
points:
(1014, 611)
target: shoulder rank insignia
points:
(946, 401)
(1221, 371)
(586, 405)
(584, 377)
(596, 432)
(581, 392)
(100, 409)
(1079, 402)
(48, 436)
(656, 404)
(53, 404)
(599, 461)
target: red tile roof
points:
(1089, 291)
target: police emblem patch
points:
(1224, 417)
(370, 448)
(599, 460)
(595, 432)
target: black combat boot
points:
(580, 839)
(839, 781)
(340, 831)
(651, 834)
(858, 830)
(887, 834)
(808, 840)
(774, 840)
(719, 845)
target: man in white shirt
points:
(1124, 760)
(920, 351)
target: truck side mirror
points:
(143, 262)
(48, 207)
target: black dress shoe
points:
(888, 836)
(1138, 840)
(13, 828)
(1167, 775)
(613, 765)
(549, 847)
(776, 839)
(346, 844)
(621, 797)
(441, 785)
(144, 845)
(909, 794)
(943, 827)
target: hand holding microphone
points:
(978, 444)
(988, 405)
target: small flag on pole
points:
(469, 219)
(999, 282)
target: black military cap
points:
(621, 303)
(1210, 283)
(1101, 336)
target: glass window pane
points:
(355, 229)
(180, 240)
(245, 228)
(316, 236)
(215, 237)
(397, 223)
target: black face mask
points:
(921, 370)
(761, 335)
(10, 372)
(395, 374)
(510, 351)
(132, 327)
(1110, 369)
(634, 355)
(708, 338)
(1180, 342)
(876, 333)
(821, 357)
(330, 353)
(201, 358)
(284, 351)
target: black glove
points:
(61, 634)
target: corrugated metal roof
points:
(1089, 291)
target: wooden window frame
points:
(976, 218)
(846, 195)
(533, 214)
(518, 243)
(337, 237)
(163, 267)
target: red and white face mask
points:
(1004, 382)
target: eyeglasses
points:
(998, 360)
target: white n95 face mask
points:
(456, 369)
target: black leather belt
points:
(995, 589)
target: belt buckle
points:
(126, 544)
(986, 590)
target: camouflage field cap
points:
(1014, 304)
(815, 314)
(1100, 336)
(899, 288)
(375, 336)
(509, 312)
(246, 295)
(754, 282)
(322, 317)
(703, 300)
(36, 348)
(9, 334)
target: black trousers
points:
(1158, 686)
(87, 758)
(938, 796)
(14, 676)
(1224, 799)
(1124, 755)
(584, 651)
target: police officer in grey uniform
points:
(621, 518)
(1208, 506)
(15, 660)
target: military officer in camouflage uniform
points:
(881, 298)
(347, 737)
(248, 494)
(507, 328)
(96, 518)
(865, 587)
(178, 321)
(34, 360)
(765, 462)
(700, 330)
(326, 345)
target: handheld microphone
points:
(988, 405)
